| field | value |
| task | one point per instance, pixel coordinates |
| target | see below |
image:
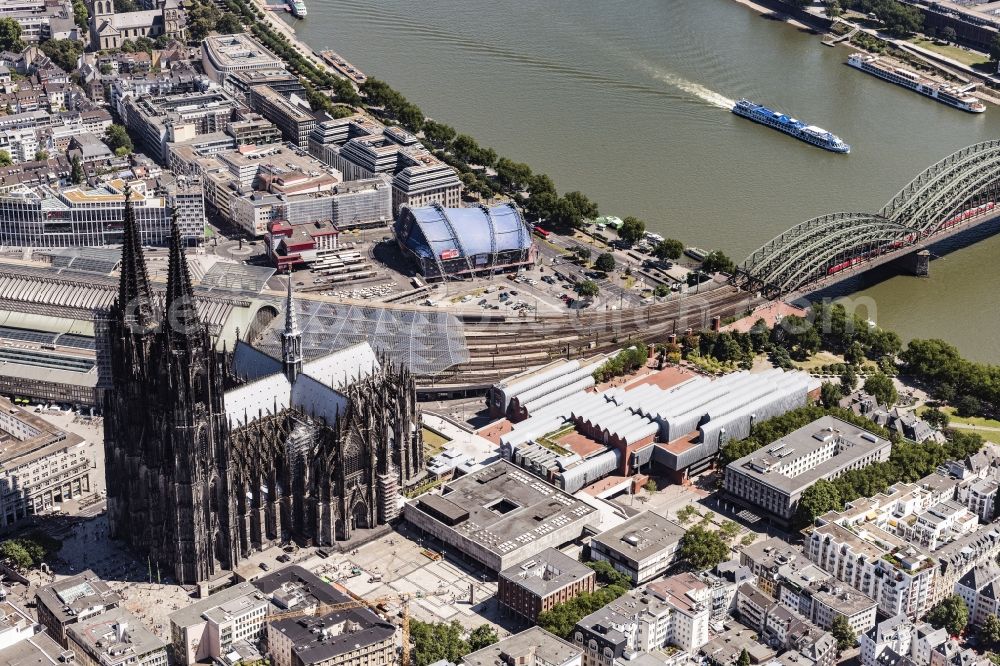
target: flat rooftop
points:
(38, 649)
(69, 597)
(502, 507)
(35, 437)
(778, 465)
(547, 572)
(318, 640)
(192, 614)
(641, 536)
(240, 50)
(537, 642)
(843, 597)
(116, 635)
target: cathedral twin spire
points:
(135, 296)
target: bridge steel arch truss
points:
(806, 252)
(804, 255)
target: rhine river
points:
(627, 101)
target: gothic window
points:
(353, 457)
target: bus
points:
(542, 233)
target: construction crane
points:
(372, 604)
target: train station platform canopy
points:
(428, 343)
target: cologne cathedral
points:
(213, 454)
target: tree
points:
(650, 486)
(730, 530)
(117, 137)
(717, 262)
(936, 418)
(229, 24)
(702, 548)
(668, 248)
(968, 405)
(989, 632)
(76, 172)
(855, 353)
(63, 52)
(202, 17)
(830, 394)
(849, 380)
(588, 288)
(842, 631)
(583, 207)
(582, 253)
(41, 155)
(10, 35)
(816, 500)
(12, 551)
(882, 389)
(5, 159)
(608, 575)
(744, 659)
(80, 14)
(605, 262)
(439, 134)
(948, 34)
(513, 176)
(833, 9)
(686, 513)
(438, 640)
(632, 229)
(562, 618)
(482, 636)
(952, 614)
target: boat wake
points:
(696, 90)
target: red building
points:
(293, 246)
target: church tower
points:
(165, 425)
(291, 338)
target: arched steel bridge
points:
(955, 194)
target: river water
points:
(627, 101)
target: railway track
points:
(499, 347)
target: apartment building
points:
(539, 583)
(208, 628)
(980, 590)
(115, 638)
(675, 611)
(643, 547)
(773, 479)
(980, 496)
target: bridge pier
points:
(920, 263)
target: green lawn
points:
(970, 58)
(959, 421)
